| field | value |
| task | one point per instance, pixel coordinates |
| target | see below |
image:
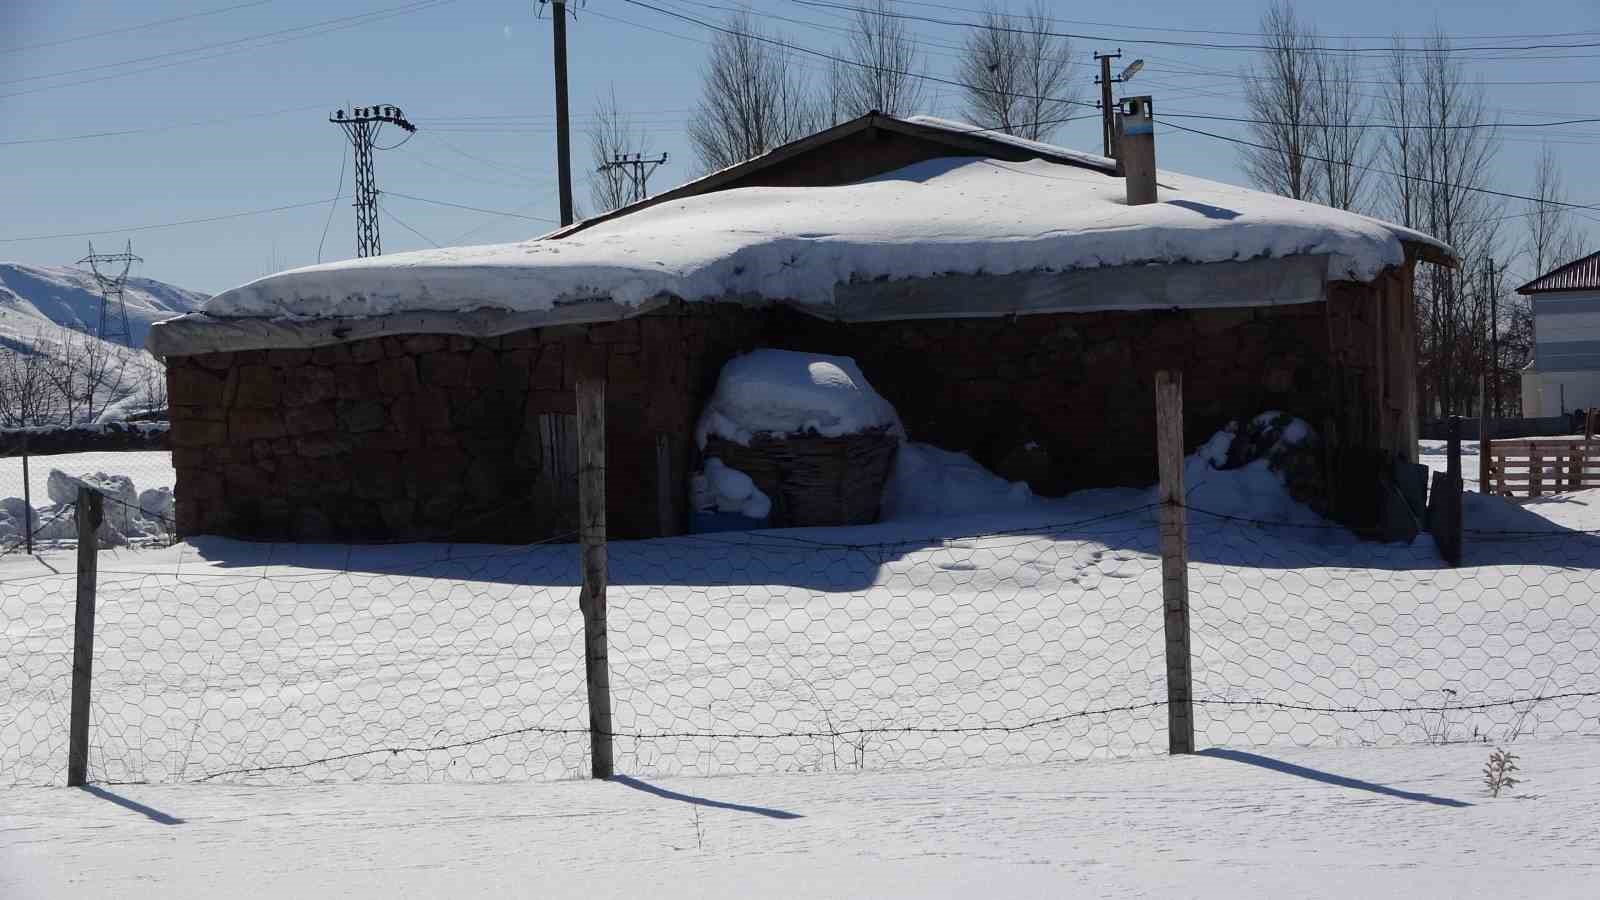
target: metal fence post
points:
(1174, 562)
(89, 512)
(591, 399)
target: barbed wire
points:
(753, 651)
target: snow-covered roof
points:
(1039, 148)
(803, 245)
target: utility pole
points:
(1108, 116)
(563, 133)
(1107, 137)
(113, 311)
(361, 125)
(1494, 339)
(637, 169)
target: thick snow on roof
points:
(942, 216)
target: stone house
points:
(1001, 293)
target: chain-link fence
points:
(775, 651)
(37, 493)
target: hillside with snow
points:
(48, 299)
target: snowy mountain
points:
(32, 298)
(50, 311)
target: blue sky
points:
(261, 76)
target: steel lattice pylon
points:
(361, 125)
(113, 282)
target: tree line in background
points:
(754, 96)
(1417, 151)
(75, 380)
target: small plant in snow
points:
(1500, 771)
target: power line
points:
(798, 48)
(1470, 126)
(332, 204)
(497, 212)
(159, 128)
(1418, 178)
(139, 27)
(398, 221)
(282, 36)
(1378, 37)
(132, 228)
(1200, 45)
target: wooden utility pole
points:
(1174, 561)
(563, 136)
(27, 499)
(1494, 339)
(89, 512)
(1485, 465)
(1108, 131)
(592, 541)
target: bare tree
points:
(611, 134)
(153, 385)
(884, 72)
(1280, 95)
(27, 397)
(1443, 144)
(1014, 72)
(1552, 237)
(753, 97)
(1340, 150)
(837, 101)
(87, 376)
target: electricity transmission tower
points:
(113, 311)
(361, 125)
(637, 169)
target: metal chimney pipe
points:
(1137, 150)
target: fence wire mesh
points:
(1304, 638)
(769, 651)
(36, 499)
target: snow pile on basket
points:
(809, 432)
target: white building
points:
(1565, 373)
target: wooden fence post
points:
(27, 499)
(1174, 562)
(591, 405)
(89, 512)
(1484, 467)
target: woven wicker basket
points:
(815, 480)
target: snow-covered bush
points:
(1268, 470)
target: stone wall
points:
(434, 437)
(115, 436)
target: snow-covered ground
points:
(935, 706)
(1400, 822)
(906, 644)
